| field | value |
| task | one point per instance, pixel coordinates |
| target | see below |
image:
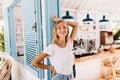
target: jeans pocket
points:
(53, 77)
(58, 77)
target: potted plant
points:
(116, 31)
(2, 45)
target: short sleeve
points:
(48, 50)
(70, 43)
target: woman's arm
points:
(74, 25)
(38, 59)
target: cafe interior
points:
(96, 47)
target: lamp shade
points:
(67, 16)
(103, 20)
(87, 18)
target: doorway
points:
(18, 32)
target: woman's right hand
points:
(53, 70)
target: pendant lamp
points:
(67, 16)
(87, 18)
(103, 20)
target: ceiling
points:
(111, 7)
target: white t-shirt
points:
(61, 58)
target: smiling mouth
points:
(62, 33)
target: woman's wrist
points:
(51, 67)
(57, 20)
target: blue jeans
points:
(59, 76)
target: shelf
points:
(88, 31)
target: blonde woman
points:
(59, 51)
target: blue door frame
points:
(11, 41)
(39, 33)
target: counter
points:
(89, 67)
(102, 55)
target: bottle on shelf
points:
(111, 48)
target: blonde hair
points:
(54, 33)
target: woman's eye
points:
(59, 28)
(65, 27)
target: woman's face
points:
(61, 29)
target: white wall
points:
(88, 70)
(19, 72)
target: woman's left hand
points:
(55, 19)
(53, 70)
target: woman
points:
(59, 51)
